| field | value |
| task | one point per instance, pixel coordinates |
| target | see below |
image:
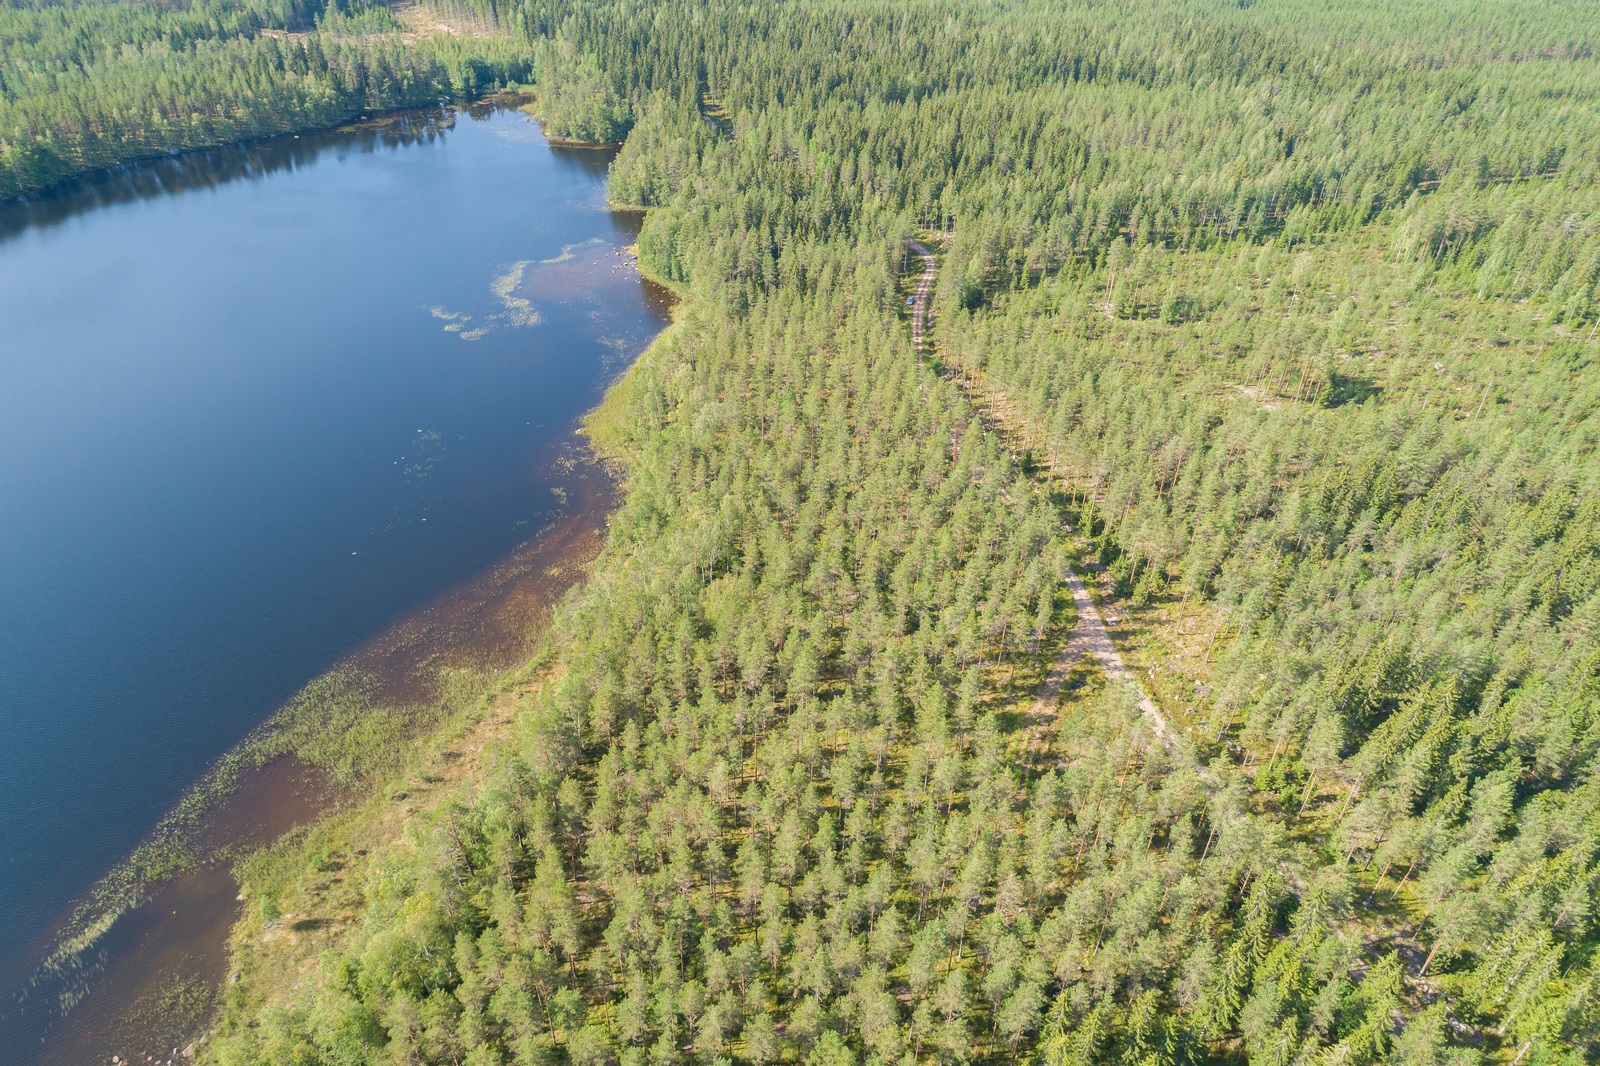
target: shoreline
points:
(562, 142)
(144, 955)
(56, 187)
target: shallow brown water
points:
(174, 943)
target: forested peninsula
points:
(1275, 323)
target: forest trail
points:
(1088, 636)
(919, 299)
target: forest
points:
(1278, 325)
(94, 84)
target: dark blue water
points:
(255, 405)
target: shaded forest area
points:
(1286, 319)
(93, 84)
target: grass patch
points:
(610, 426)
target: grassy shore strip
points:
(296, 898)
(605, 427)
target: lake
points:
(259, 406)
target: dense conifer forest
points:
(1279, 324)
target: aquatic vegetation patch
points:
(569, 252)
(173, 1013)
(519, 310)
